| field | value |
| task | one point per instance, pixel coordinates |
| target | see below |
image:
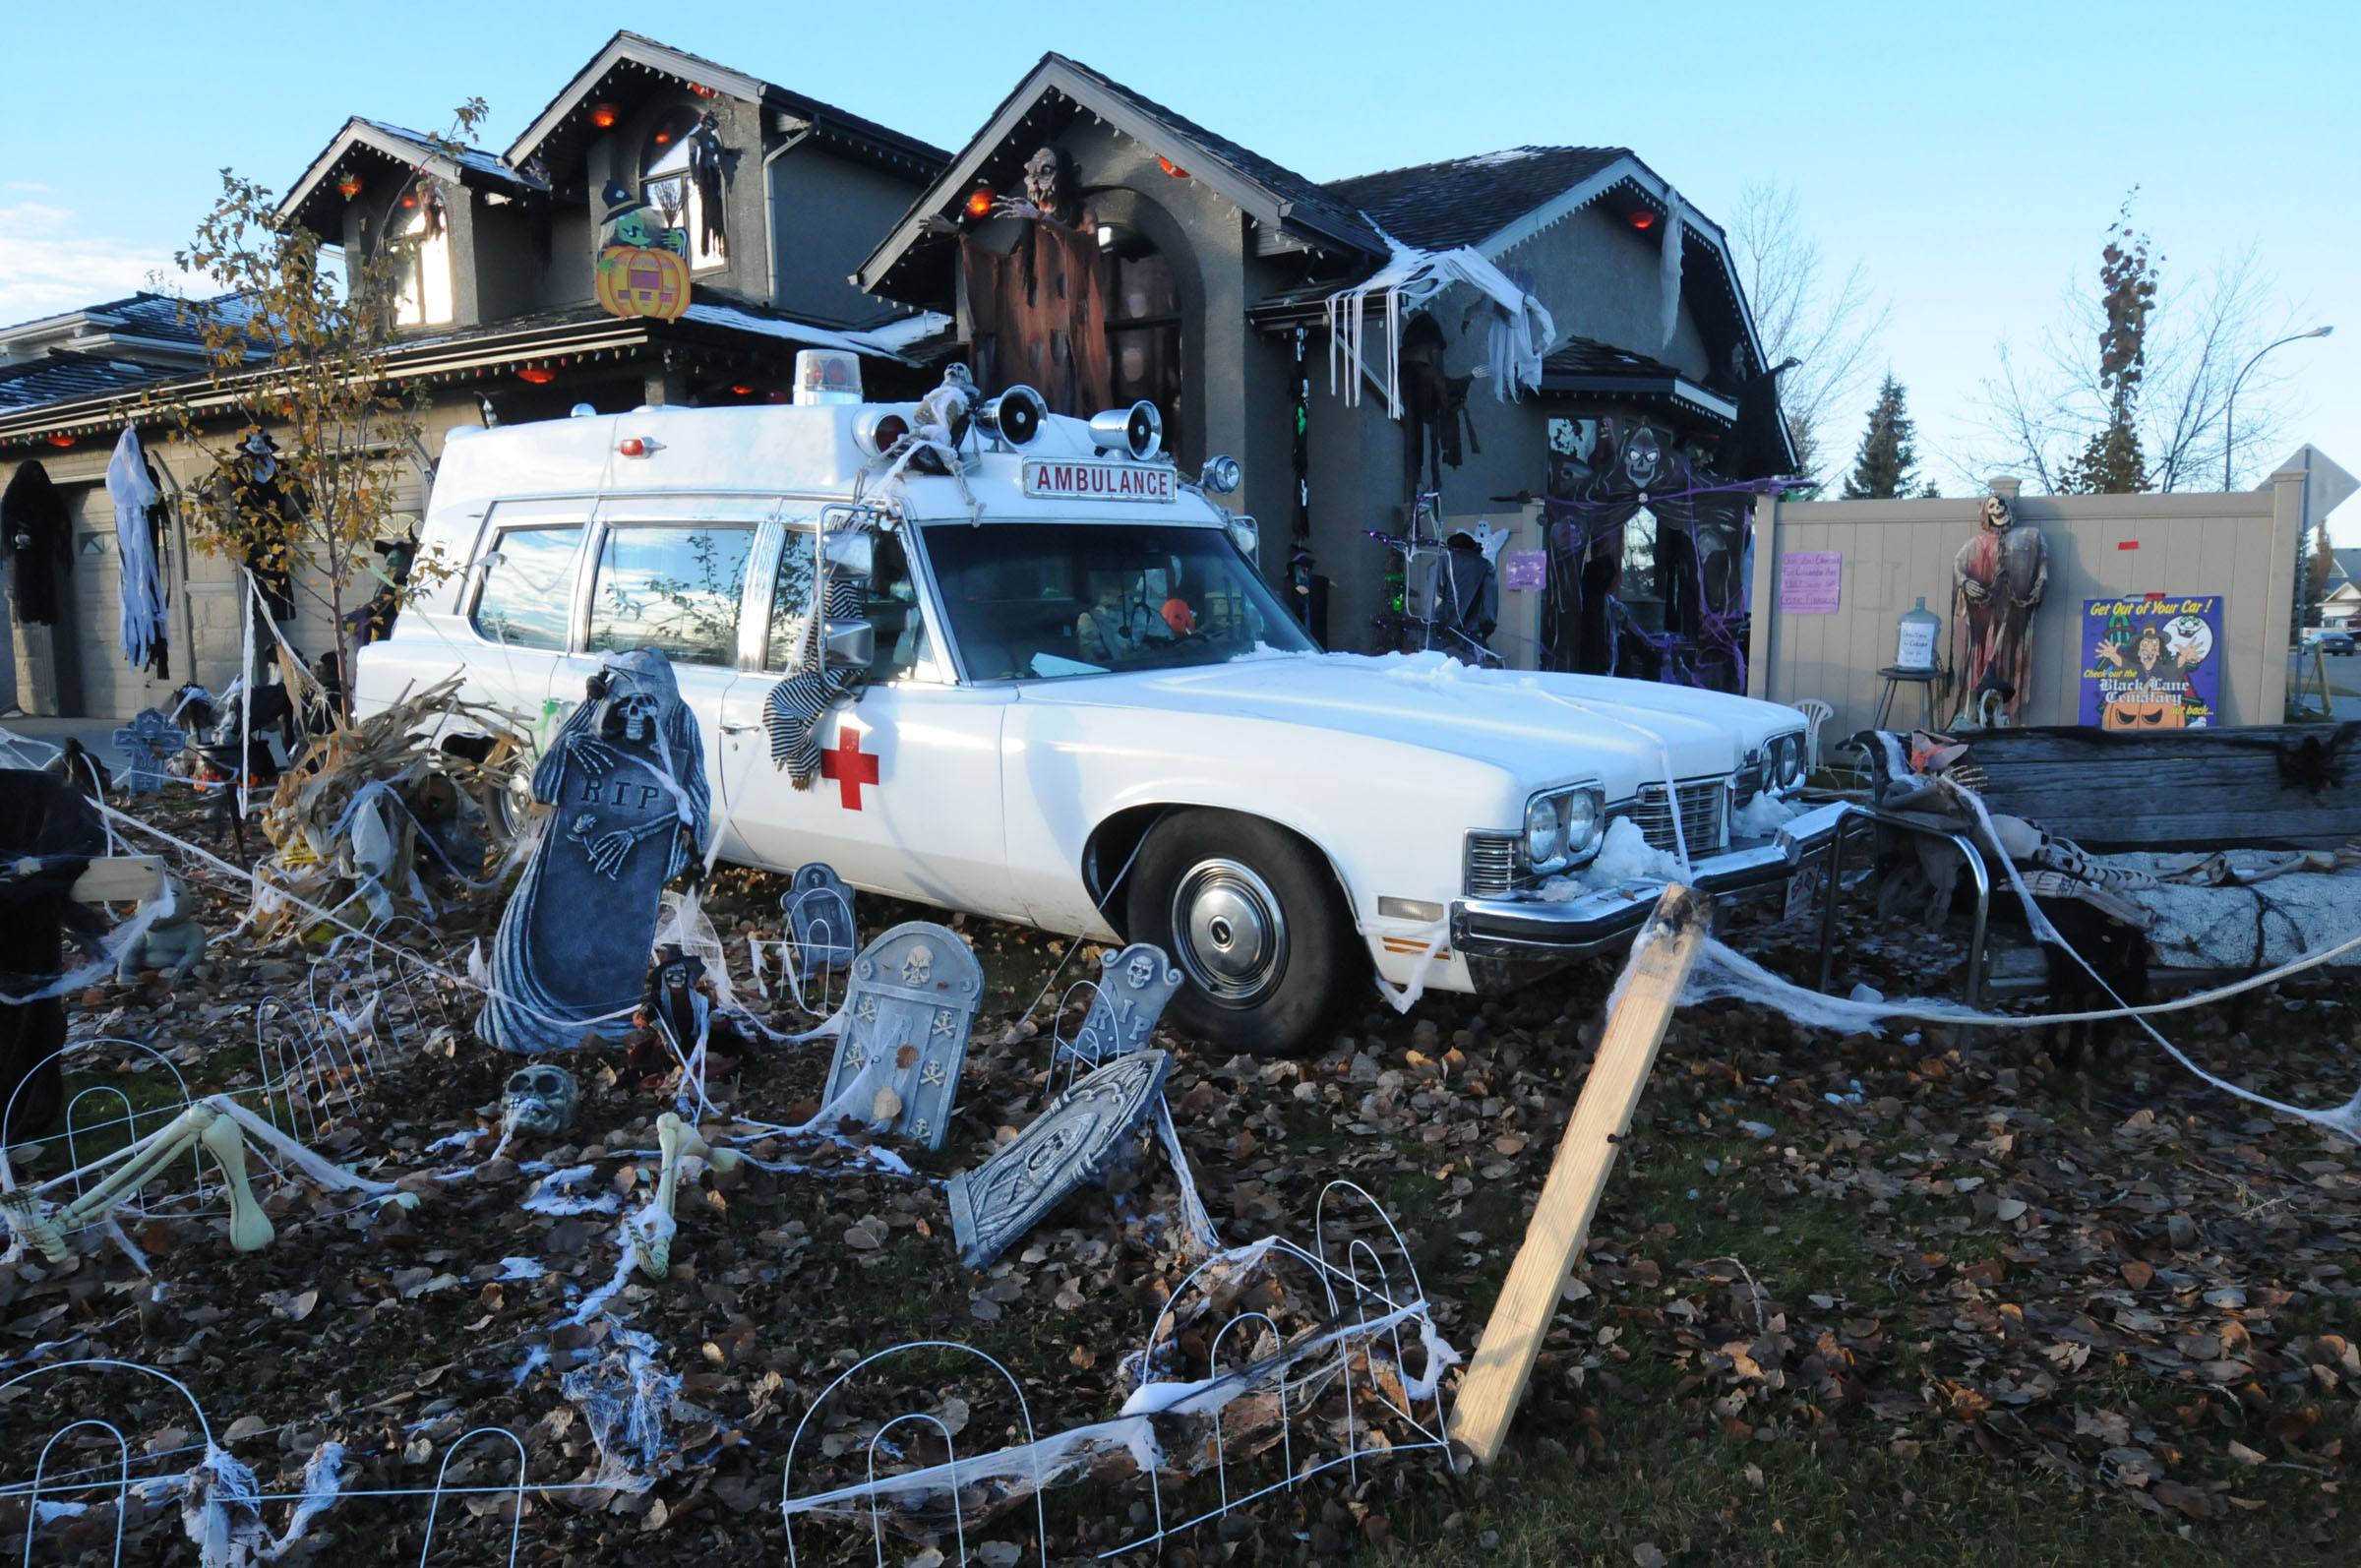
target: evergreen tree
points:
(1884, 467)
(2111, 461)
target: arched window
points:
(1143, 326)
(420, 251)
(666, 185)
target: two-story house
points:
(500, 311)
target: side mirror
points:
(1247, 534)
(852, 552)
(852, 643)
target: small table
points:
(1895, 676)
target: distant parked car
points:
(2331, 640)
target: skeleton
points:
(633, 711)
(538, 1101)
(651, 1231)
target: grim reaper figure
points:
(2001, 576)
(625, 778)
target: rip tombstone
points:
(1133, 986)
(907, 1011)
(1068, 1146)
(625, 777)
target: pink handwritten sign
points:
(1810, 582)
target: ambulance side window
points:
(889, 601)
(528, 587)
(672, 588)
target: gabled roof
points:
(828, 123)
(1467, 200)
(146, 313)
(2348, 565)
(411, 150)
(1276, 197)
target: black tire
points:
(1256, 924)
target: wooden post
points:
(1660, 965)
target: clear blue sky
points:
(1970, 155)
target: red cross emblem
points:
(850, 766)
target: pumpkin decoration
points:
(642, 281)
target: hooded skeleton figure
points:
(2001, 576)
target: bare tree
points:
(2041, 405)
(1829, 330)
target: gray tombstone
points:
(911, 1000)
(1068, 1146)
(1133, 987)
(147, 742)
(819, 916)
(626, 775)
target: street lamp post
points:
(2229, 407)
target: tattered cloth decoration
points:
(708, 166)
(1668, 268)
(793, 710)
(32, 527)
(1522, 330)
(135, 498)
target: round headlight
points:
(1581, 819)
(1545, 832)
(1788, 753)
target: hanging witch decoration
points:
(626, 776)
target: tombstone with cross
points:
(148, 743)
(820, 917)
(907, 1011)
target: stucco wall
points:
(2242, 546)
(826, 215)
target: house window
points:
(420, 251)
(666, 185)
(1143, 326)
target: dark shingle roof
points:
(1462, 200)
(1587, 356)
(61, 374)
(2349, 561)
(1309, 201)
(474, 159)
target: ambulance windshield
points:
(1040, 600)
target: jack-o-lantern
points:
(642, 281)
(2145, 713)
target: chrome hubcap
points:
(1230, 935)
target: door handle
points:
(738, 729)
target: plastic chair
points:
(1815, 713)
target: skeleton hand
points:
(596, 757)
(1976, 591)
(609, 850)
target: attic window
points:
(420, 251)
(666, 185)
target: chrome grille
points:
(1491, 863)
(1704, 815)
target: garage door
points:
(94, 682)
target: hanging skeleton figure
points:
(708, 166)
(2002, 574)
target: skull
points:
(1142, 970)
(1045, 179)
(636, 711)
(919, 966)
(1998, 516)
(1643, 457)
(539, 1100)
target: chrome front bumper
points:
(1509, 940)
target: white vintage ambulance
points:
(1078, 704)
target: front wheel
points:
(1255, 923)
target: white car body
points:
(996, 796)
